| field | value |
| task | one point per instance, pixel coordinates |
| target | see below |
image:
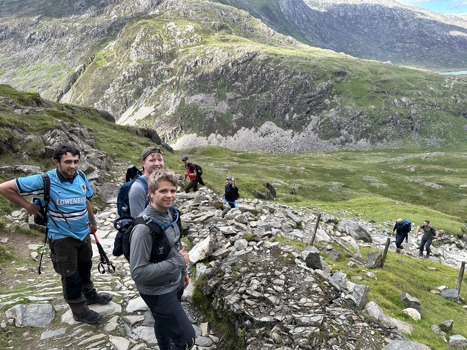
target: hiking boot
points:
(96, 298)
(421, 255)
(398, 250)
(91, 317)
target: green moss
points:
(220, 322)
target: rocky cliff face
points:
(204, 73)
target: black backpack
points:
(123, 201)
(160, 244)
(132, 172)
(199, 170)
(44, 204)
(235, 192)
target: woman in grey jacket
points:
(161, 284)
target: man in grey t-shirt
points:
(429, 232)
(151, 160)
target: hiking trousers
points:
(72, 259)
(399, 240)
(425, 243)
(192, 185)
(173, 329)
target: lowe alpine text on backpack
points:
(160, 245)
(123, 202)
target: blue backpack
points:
(123, 203)
(407, 226)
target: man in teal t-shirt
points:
(70, 220)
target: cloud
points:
(416, 2)
(458, 4)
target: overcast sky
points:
(440, 6)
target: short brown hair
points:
(161, 175)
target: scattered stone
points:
(410, 301)
(458, 341)
(32, 315)
(446, 326)
(412, 313)
(375, 260)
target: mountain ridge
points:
(203, 73)
(380, 30)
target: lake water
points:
(455, 73)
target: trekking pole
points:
(104, 259)
(42, 252)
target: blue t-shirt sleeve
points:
(30, 186)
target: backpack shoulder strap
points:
(143, 182)
(82, 174)
(154, 227)
(46, 180)
(139, 220)
(177, 214)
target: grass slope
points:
(377, 185)
(420, 278)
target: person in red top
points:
(190, 172)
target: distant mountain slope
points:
(201, 72)
(383, 30)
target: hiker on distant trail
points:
(231, 192)
(192, 173)
(161, 284)
(401, 230)
(429, 232)
(70, 219)
(151, 160)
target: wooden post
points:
(316, 229)
(461, 276)
(385, 251)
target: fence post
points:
(461, 276)
(316, 229)
(385, 251)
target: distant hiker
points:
(401, 230)
(193, 172)
(70, 219)
(429, 232)
(231, 192)
(151, 160)
(161, 284)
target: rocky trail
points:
(268, 290)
